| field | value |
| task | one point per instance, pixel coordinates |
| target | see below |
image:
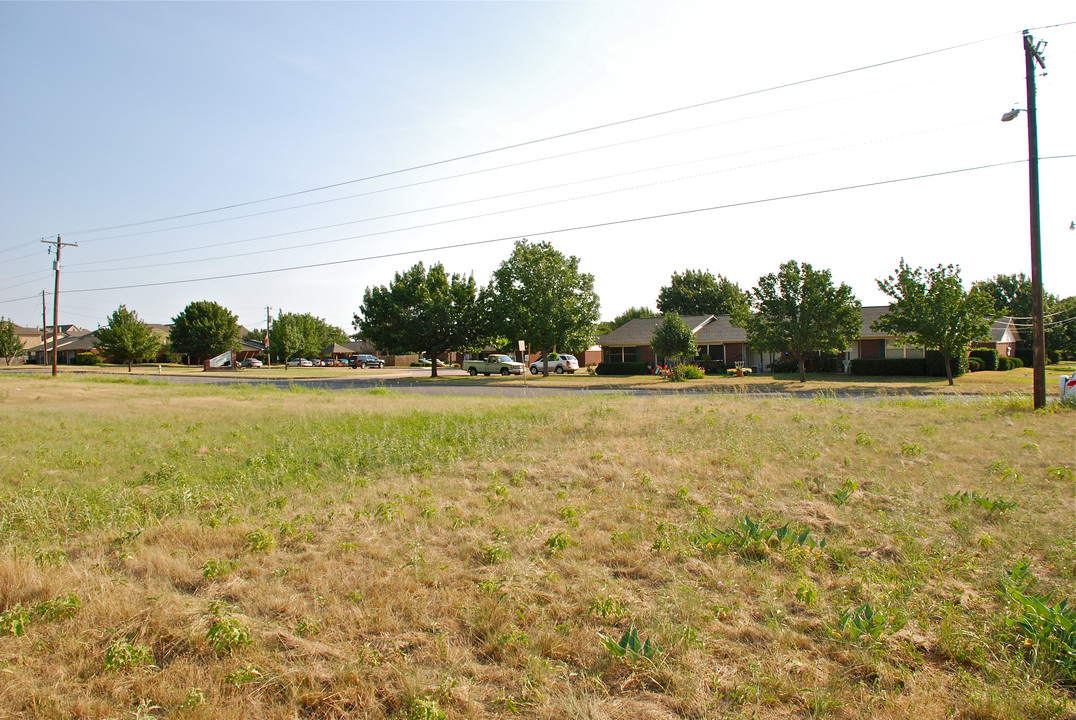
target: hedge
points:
(889, 366)
(936, 364)
(87, 358)
(622, 368)
(1027, 356)
(988, 357)
(974, 364)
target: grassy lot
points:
(239, 552)
(991, 383)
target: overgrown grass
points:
(243, 552)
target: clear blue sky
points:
(118, 113)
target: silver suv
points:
(559, 363)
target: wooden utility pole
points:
(56, 299)
(268, 355)
(44, 330)
(1033, 55)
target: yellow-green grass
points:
(244, 552)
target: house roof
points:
(638, 331)
(719, 331)
(336, 349)
(1004, 329)
(868, 315)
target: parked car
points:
(300, 362)
(426, 363)
(494, 364)
(251, 363)
(559, 363)
(365, 361)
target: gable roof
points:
(1004, 330)
(639, 331)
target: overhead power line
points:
(558, 136)
(591, 226)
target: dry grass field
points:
(246, 552)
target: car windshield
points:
(500, 358)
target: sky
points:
(291, 155)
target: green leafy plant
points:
(558, 542)
(58, 608)
(753, 539)
(608, 607)
(867, 622)
(631, 648)
(842, 495)
(14, 620)
(991, 505)
(122, 655)
(910, 449)
(227, 634)
(1060, 472)
(260, 540)
(243, 674)
(807, 592)
(1048, 631)
(214, 568)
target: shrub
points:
(1004, 363)
(936, 365)
(681, 373)
(87, 358)
(1017, 363)
(785, 366)
(894, 366)
(987, 356)
(1025, 355)
(974, 364)
(623, 368)
(712, 367)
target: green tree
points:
(428, 312)
(1011, 295)
(204, 329)
(696, 292)
(126, 339)
(10, 344)
(608, 326)
(301, 335)
(930, 307)
(672, 339)
(799, 310)
(1060, 326)
(538, 295)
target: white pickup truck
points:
(494, 364)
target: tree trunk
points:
(433, 363)
(545, 361)
(128, 367)
(803, 370)
(948, 368)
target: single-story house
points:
(1004, 337)
(715, 336)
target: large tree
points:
(10, 344)
(301, 335)
(1011, 295)
(429, 312)
(204, 329)
(126, 339)
(798, 310)
(539, 296)
(672, 339)
(697, 292)
(930, 307)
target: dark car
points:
(365, 361)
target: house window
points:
(715, 352)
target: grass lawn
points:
(245, 551)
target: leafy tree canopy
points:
(429, 312)
(204, 329)
(1011, 295)
(930, 307)
(10, 344)
(538, 295)
(126, 339)
(301, 335)
(799, 310)
(672, 339)
(696, 292)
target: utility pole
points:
(1033, 55)
(56, 299)
(44, 330)
(268, 323)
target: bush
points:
(623, 368)
(974, 364)
(1017, 363)
(681, 373)
(785, 366)
(907, 367)
(87, 358)
(935, 364)
(712, 367)
(1025, 355)
(988, 357)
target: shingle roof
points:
(720, 331)
(1000, 325)
(869, 315)
(638, 331)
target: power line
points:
(610, 223)
(467, 202)
(559, 136)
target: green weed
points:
(227, 634)
(260, 540)
(122, 655)
(842, 495)
(630, 648)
